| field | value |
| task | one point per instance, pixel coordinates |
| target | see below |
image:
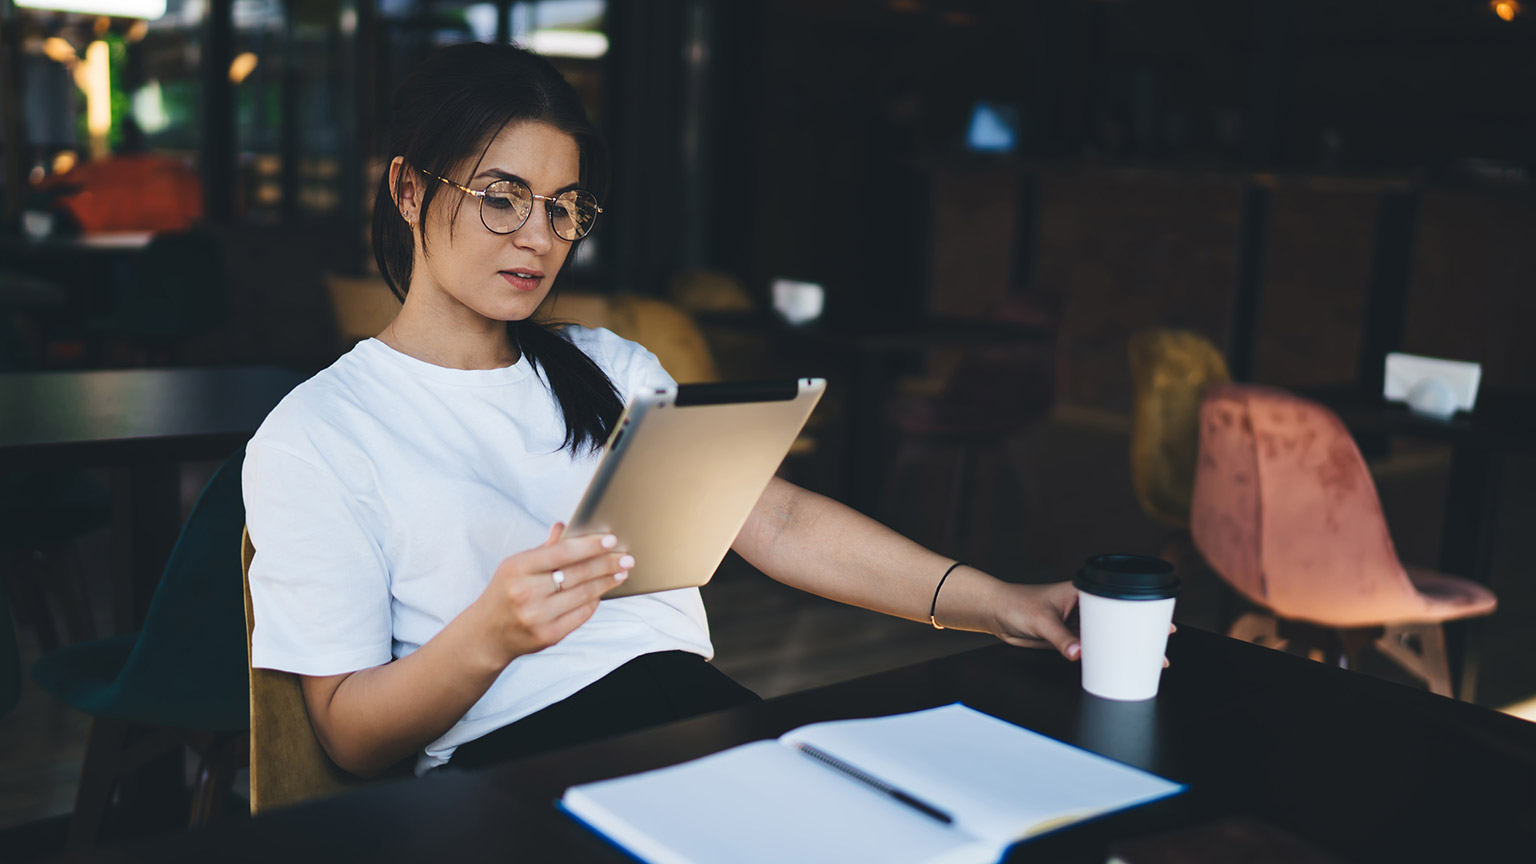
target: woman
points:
(404, 502)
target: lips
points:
(523, 280)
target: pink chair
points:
(1286, 512)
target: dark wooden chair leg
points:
(1465, 672)
(1356, 643)
(223, 755)
(98, 781)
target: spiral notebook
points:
(948, 784)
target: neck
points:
(452, 347)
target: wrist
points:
(969, 599)
(480, 639)
(933, 605)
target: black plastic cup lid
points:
(1127, 577)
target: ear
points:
(405, 186)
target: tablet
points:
(682, 470)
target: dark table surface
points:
(1364, 769)
(142, 423)
(121, 416)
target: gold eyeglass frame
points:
(548, 214)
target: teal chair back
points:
(176, 289)
(186, 667)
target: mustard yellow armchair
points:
(669, 332)
(288, 763)
(1170, 369)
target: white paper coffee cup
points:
(1125, 604)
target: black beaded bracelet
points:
(933, 607)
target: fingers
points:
(606, 570)
(1062, 597)
(1042, 623)
(1063, 640)
(558, 553)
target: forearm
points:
(816, 544)
(372, 719)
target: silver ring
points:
(559, 578)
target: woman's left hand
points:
(1035, 616)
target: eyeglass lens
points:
(507, 204)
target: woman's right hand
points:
(537, 597)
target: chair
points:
(731, 325)
(178, 681)
(664, 328)
(1170, 370)
(176, 290)
(288, 763)
(990, 395)
(1285, 510)
(362, 306)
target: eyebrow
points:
(508, 175)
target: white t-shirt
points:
(382, 493)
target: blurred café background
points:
(963, 213)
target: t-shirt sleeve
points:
(630, 366)
(319, 583)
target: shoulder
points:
(627, 363)
(600, 343)
(332, 403)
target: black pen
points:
(878, 785)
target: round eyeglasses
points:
(506, 204)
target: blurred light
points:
(1524, 710)
(64, 160)
(240, 67)
(138, 31)
(149, 108)
(118, 8)
(481, 18)
(94, 77)
(60, 51)
(1506, 9)
(584, 44)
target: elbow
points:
(346, 749)
(358, 761)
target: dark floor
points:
(777, 640)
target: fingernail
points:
(610, 541)
(627, 561)
(1073, 650)
(621, 576)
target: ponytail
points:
(586, 396)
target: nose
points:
(535, 235)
